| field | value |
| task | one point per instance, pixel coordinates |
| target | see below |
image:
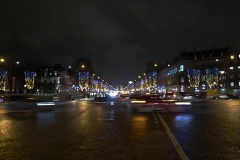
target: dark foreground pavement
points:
(84, 131)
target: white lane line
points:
(177, 146)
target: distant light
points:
(17, 62)
(183, 103)
(113, 94)
(232, 57)
(70, 67)
(216, 59)
(168, 65)
(45, 103)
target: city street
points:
(86, 130)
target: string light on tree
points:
(193, 77)
(212, 77)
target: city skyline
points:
(119, 37)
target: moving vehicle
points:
(28, 102)
(172, 96)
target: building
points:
(201, 70)
(52, 79)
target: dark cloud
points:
(120, 37)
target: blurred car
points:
(203, 95)
(3, 98)
(232, 96)
(172, 96)
(125, 97)
(149, 98)
(156, 102)
(227, 96)
(192, 96)
(101, 99)
(222, 96)
(28, 102)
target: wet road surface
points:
(210, 131)
(84, 130)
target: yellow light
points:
(137, 101)
(232, 57)
(83, 66)
(2, 60)
(155, 65)
(216, 59)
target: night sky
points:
(119, 37)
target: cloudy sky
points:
(119, 37)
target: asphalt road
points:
(84, 130)
(210, 131)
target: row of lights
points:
(2, 60)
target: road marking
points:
(177, 146)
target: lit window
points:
(232, 57)
(55, 73)
(203, 86)
(239, 83)
(181, 68)
(231, 67)
(232, 84)
(50, 73)
(221, 72)
(182, 79)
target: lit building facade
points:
(52, 79)
(202, 70)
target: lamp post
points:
(92, 90)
